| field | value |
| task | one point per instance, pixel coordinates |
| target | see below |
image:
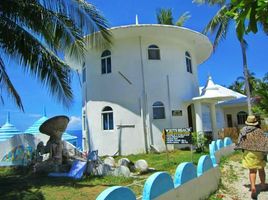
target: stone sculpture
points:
(53, 127)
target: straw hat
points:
(251, 120)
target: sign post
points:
(178, 136)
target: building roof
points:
(8, 130)
(200, 44)
(214, 93)
(242, 101)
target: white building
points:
(144, 83)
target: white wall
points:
(124, 98)
(233, 111)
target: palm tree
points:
(219, 25)
(252, 81)
(165, 16)
(237, 86)
(36, 33)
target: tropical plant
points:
(165, 16)
(252, 81)
(261, 90)
(36, 33)
(219, 25)
(247, 14)
(199, 140)
(237, 86)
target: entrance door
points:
(229, 120)
(190, 117)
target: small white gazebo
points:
(211, 95)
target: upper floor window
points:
(106, 63)
(188, 61)
(107, 118)
(84, 72)
(158, 110)
(153, 52)
(241, 117)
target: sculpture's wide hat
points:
(55, 126)
(252, 120)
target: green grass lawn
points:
(20, 184)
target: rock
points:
(99, 169)
(141, 165)
(123, 162)
(121, 171)
(109, 161)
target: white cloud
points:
(75, 123)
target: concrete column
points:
(198, 117)
(213, 120)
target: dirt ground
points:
(235, 182)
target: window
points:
(188, 61)
(153, 52)
(158, 110)
(241, 117)
(107, 118)
(106, 63)
(84, 73)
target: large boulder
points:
(123, 162)
(121, 171)
(141, 165)
(109, 161)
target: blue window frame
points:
(188, 61)
(158, 110)
(107, 118)
(106, 62)
(153, 52)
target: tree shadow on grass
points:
(26, 186)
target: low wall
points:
(161, 186)
(18, 150)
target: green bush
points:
(199, 141)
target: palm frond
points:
(164, 16)
(8, 86)
(36, 59)
(218, 25)
(86, 16)
(183, 18)
(210, 2)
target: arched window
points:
(106, 63)
(107, 118)
(188, 61)
(241, 117)
(158, 110)
(153, 52)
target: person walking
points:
(255, 161)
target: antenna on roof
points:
(8, 117)
(137, 20)
(45, 112)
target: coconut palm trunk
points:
(245, 71)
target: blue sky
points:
(225, 65)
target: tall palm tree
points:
(165, 16)
(252, 81)
(36, 33)
(219, 25)
(237, 86)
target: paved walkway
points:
(235, 183)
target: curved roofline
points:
(201, 41)
(155, 25)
